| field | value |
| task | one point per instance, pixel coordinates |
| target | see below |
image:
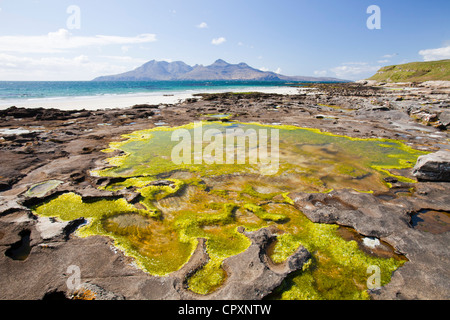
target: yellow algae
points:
(287, 199)
(139, 182)
(208, 278)
(264, 215)
(212, 200)
(338, 269)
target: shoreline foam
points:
(122, 101)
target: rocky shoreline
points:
(40, 145)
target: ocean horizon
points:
(26, 90)
(94, 95)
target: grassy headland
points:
(414, 72)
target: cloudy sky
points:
(80, 39)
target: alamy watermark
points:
(74, 19)
(236, 146)
(374, 21)
(374, 280)
(74, 280)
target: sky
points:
(348, 39)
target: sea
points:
(49, 93)
(51, 89)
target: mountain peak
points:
(220, 62)
(178, 70)
(243, 64)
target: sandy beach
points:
(120, 101)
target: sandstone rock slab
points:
(433, 167)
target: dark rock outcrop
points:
(433, 167)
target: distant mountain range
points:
(219, 70)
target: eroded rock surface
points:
(42, 145)
(390, 220)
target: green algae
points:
(263, 214)
(208, 278)
(287, 199)
(338, 268)
(218, 115)
(70, 206)
(250, 191)
(131, 182)
(211, 201)
(118, 219)
(307, 153)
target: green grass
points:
(414, 72)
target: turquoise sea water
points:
(28, 90)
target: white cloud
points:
(124, 59)
(241, 44)
(13, 67)
(383, 61)
(320, 73)
(355, 63)
(81, 59)
(435, 54)
(264, 69)
(61, 40)
(217, 41)
(353, 70)
(202, 25)
(388, 56)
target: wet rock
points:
(89, 291)
(362, 211)
(390, 221)
(436, 84)
(39, 190)
(19, 112)
(50, 228)
(78, 177)
(386, 216)
(10, 204)
(162, 183)
(144, 106)
(251, 275)
(433, 167)
(4, 186)
(87, 150)
(433, 221)
(444, 118)
(21, 249)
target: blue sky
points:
(41, 40)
